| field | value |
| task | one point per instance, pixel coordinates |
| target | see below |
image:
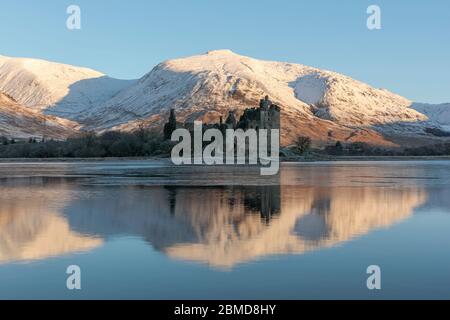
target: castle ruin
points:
(266, 116)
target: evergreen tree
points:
(170, 126)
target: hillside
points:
(17, 121)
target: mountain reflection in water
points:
(221, 225)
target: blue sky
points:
(125, 39)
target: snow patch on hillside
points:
(311, 89)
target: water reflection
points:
(309, 219)
(220, 225)
(32, 225)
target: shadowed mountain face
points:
(84, 96)
(323, 105)
(222, 226)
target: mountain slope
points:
(322, 104)
(59, 89)
(17, 121)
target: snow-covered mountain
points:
(324, 105)
(55, 88)
(17, 121)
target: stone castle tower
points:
(267, 116)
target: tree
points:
(170, 126)
(358, 148)
(338, 148)
(303, 144)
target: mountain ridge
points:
(322, 104)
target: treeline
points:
(442, 149)
(147, 143)
(364, 149)
(140, 143)
(303, 146)
(360, 149)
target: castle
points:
(267, 116)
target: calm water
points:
(150, 230)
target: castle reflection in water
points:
(219, 224)
(264, 200)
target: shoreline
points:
(282, 159)
(364, 158)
